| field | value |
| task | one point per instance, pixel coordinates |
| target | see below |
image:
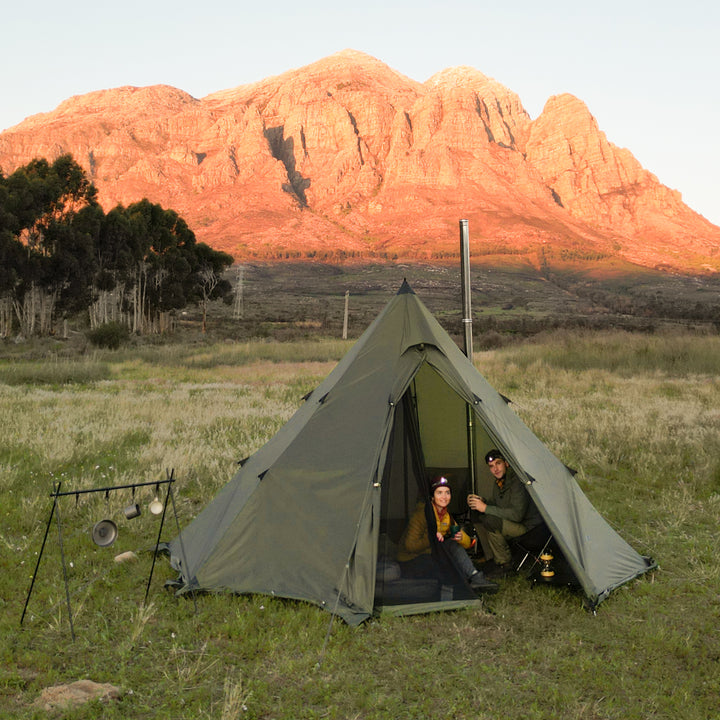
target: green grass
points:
(236, 353)
(53, 372)
(635, 415)
(624, 353)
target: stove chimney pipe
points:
(465, 273)
(467, 327)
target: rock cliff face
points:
(346, 157)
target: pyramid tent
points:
(317, 512)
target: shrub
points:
(110, 335)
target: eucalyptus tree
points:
(11, 260)
(50, 215)
(158, 239)
(59, 252)
(116, 254)
(148, 259)
(210, 281)
(10, 249)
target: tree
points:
(114, 260)
(211, 284)
(152, 257)
(50, 210)
(162, 247)
(60, 252)
(11, 259)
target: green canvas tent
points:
(317, 512)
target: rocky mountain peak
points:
(348, 158)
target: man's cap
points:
(494, 454)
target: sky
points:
(648, 70)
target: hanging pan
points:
(104, 533)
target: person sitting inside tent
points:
(508, 513)
(415, 552)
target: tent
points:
(317, 512)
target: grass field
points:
(636, 415)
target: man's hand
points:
(475, 502)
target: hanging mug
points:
(132, 511)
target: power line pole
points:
(345, 320)
(239, 306)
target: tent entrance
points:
(419, 448)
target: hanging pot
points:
(156, 507)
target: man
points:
(508, 513)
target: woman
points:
(415, 554)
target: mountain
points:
(348, 158)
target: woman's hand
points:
(440, 537)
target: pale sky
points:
(648, 70)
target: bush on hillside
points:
(110, 335)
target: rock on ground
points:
(76, 693)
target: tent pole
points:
(171, 479)
(467, 331)
(182, 546)
(471, 447)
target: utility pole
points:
(239, 306)
(345, 320)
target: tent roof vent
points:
(405, 288)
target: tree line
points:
(61, 254)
